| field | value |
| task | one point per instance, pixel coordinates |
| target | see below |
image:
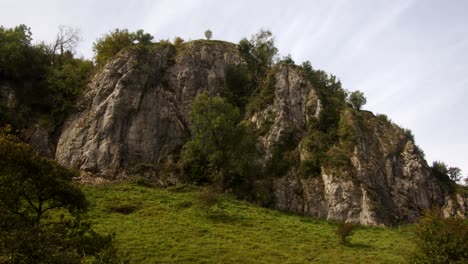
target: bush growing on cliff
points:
(444, 173)
(260, 53)
(357, 99)
(110, 44)
(220, 151)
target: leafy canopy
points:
(220, 151)
(110, 44)
(31, 187)
(357, 99)
(208, 34)
(441, 240)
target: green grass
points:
(169, 227)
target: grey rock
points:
(136, 108)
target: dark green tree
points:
(220, 151)
(65, 84)
(357, 99)
(260, 53)
(208, 34)
(441, 240)
(19, 60)
(31, 188)
(454, 174)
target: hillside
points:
(168, 226)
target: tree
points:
(65, 84)
(19, 60)
(441, 240)
(445, 173)
(31, 187)
(110, 44)
(220, 150)
(208, 34)
(454, 174)
(260, 53)
(66, 40)
(357, 99)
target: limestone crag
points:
(135, 110)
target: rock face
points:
(135, 111)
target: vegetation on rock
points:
(110, 44)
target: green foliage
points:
(221, 151)
(336, 157)
(31, 185)
(66, 84)
(441, 240)
(409, 134)
(440, 170)
(347, 131)
(178, 41)
(357, 99)
(110, 44)
(239, 85)
(46, 79)
(332, 96)
(260, 53)
(287, 60)
(264, 96)
(315, 144)
(335, 142)
(31, 188)
(344, 231)
(18, 58)
(284, 155)
(454, 174)
(208, 34)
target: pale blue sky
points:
(410, 58)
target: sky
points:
(410, 58)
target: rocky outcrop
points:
(135, 114)
(135, 110)
(296, 103)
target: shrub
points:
(208, 198)
(441, 240)
(344, 231)
(110, 44)
(178, 41)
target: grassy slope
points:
(167, 229)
